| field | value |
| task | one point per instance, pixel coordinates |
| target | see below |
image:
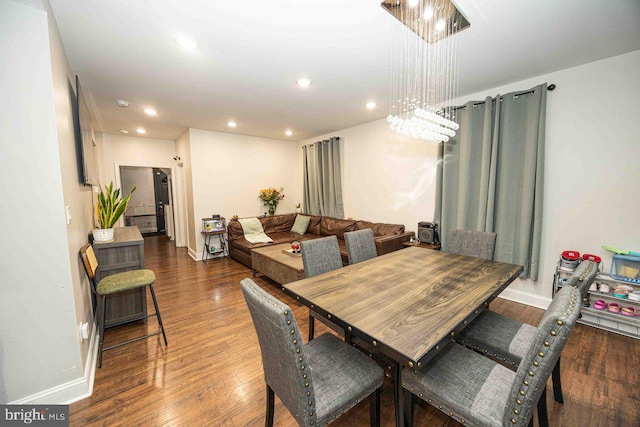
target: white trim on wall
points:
(72, 391)
(526, 298)
(176, 189)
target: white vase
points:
(102, 234)
(298, 210)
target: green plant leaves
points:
(110, 209)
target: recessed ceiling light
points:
(288, 132)
(413, 3)
(141, 130)
(428, 13)
(232, 124)
(441, 24)
(122, 103)
(304, 82)
(150, 111)
(123, 131)
(186, 42)
(370, 105)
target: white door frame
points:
(176, 188)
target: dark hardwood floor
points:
(211, 372)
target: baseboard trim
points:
(197, 256)
(72, 391)
(525, 298)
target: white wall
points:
(183, 150)
(386, 177)
(592, 176)
(76, 195)
(39, 347)
(133, 151)
(123, 150)
(229, 170)
(142, 178)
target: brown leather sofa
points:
(388, 237)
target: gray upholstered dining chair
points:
(316, 382)
(360, 245)
(320, 256)
(506, 339)
(479, 244)
(475, 390)
(586, 273)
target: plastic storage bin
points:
(626, 267)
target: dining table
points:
(405, 305)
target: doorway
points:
(162, 200)
(150, 206)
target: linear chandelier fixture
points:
(424, 67)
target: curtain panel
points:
(322, 178)
(491, 175)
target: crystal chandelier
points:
(424, 67)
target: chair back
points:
(541, 357)
(285, 365)
(320, 255)
(479, 244)
(90, 263)
(586, 273)
(360, 245)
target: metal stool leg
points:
(155, 304)
(102, 318)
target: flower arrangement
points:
(271, 197)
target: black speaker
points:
(428, 233)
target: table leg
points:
(397, 388)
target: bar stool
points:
(116, 283)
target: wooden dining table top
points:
(409, 303)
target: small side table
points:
(435, 247)
(207, 250)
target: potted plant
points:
(110, 208)
(298, 209)
(271, 197)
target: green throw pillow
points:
(301, 224)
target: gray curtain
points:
(490, 175)
(322, 180)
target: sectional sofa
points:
(388, 237)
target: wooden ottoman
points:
(276, 265)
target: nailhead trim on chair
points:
(541, 354)
(440, 407)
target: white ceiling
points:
(251, 52)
